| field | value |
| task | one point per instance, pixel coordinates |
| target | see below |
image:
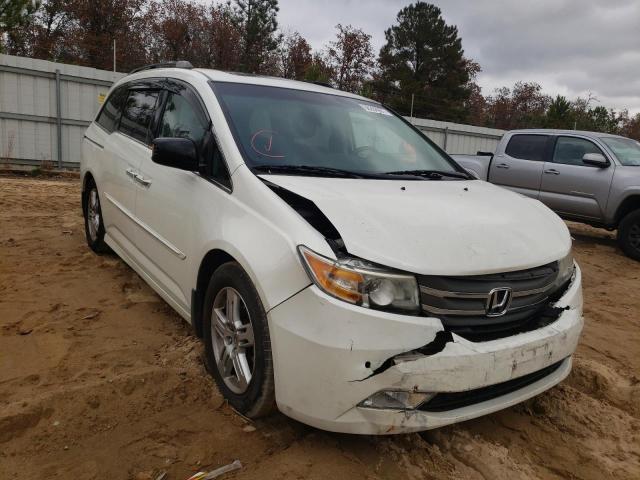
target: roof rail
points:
(178, 64)
(323, 84)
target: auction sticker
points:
(374, 109)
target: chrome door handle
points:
(141, 180)
(503, 165)
(552, 171)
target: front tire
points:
(629, 235)
(237, 342)
(93, 221)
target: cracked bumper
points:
(325, 352)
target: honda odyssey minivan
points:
(337, 264)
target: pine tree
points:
(13, 13)
(257, 20)
(559, 114)
(423, 56)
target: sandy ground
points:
(100, 379)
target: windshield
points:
(284, 128)
(626, 150)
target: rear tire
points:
(237, 342)
(629, 235)
(93, 221)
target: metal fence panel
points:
(45, 108)
(459, 139)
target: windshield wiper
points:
(309, 170)
(430, 174)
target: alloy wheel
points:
(232, 339)
(93, 214)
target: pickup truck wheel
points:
(237, 342)
(93, 222)
(629, 235)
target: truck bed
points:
(476, 165)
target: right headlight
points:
(360, 283)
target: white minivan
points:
(336, 263)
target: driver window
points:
(570, 150)
(181, 119)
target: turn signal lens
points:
(339, 282)
(361, 283)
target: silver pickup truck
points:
(587, 177)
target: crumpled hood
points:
(436, 227)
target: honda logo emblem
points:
(498, 301)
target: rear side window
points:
(570, 150)
(527, 147)
(137, 114)
(110, 113)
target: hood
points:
(436, 227)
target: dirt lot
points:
(100, 379)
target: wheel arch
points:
(211, 261)
(87, 178)
(628, 205)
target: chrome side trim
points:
(146, 228)
(445, 294)
(94, 142)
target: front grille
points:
(443, 402)
(461, 302)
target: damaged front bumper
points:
(329, 356)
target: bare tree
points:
(295, 56)
(350, 57)
(180, 31)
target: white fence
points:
(459, 139)
(45, 108)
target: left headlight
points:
(356, 282)
(566, 268)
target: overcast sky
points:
(569, 47)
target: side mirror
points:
(178, 153)
(595, 160)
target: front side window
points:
(184, 119)
(137, 114)
(570, 150)
(284, 127)
(527, 147)
(626, 150)
(110, 113)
